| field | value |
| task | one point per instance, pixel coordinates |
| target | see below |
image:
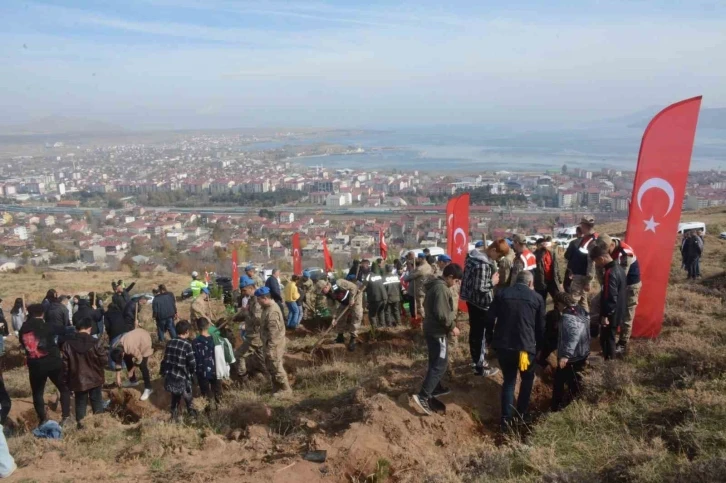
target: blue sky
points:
(228, 63)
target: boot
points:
(351, 344)
(340, 339)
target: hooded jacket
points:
(84, 359)
(440, 316)
(38, 340)
(476, 286)
(614, 302)
(57, 318)
(574, 334)
(86, 311)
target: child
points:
(84, 358)
(573, 348)
(178, 367)
(206, 366)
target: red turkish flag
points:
(235, 269)
(459, 245)
(327, 257)
(382, 245)
(655, 209)
(296, 255)
(449, 221)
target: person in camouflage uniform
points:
(346, 293)
(307, 292)
(249, 355)
(272, 331)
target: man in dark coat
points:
(613, 299)
(86, 311)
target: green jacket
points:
(440, 314)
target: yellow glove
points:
(523, 361)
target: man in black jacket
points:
(163, 309)
(273, 283)
(43, 357)
(613, 299)
(132, 309)
(121, 296)
(86, 311)
(57, 317)
(393, 297)
(518, 315)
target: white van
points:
(693, 225)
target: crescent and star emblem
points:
(296, 253)
(663, 185)
(457, 232)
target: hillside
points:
(658, 416)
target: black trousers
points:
(551, 290)
(176, 400)
(607, 341)
(144, 366)
(478, 333)
(393, 314)
(509, 363)
(377, 313)
(570, 376)
(438, 362)
(38, 377)
(95, 395)
(5, 402)
(210, 388)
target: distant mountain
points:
(60, 125)
(709, 118)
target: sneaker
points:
(486, 371)
(146, 394)
(340, 339)
(621, 349)
(130, 384)
(441, 391)
(423, 404)
(351, 344)
(10, 471)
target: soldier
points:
(431, 260)
(377, 296)
(250, 355)
(251, 272)
(393, 304)
(418, 278)
(273, 341)
(580, 262)
(346, 293)
(307, 292)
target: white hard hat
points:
(195, 274)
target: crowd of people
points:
(505, 287)
(72, 341)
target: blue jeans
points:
(299, 314)
(164, 325)
(7, 463)
(509, 363)
(292, 314)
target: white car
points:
(722, 236)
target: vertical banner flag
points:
(655, 209)
(382, 245)
(449, 222)
(459, 245)
(327, 257)
(296, 255)
(235, 269)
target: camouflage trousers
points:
(627, 327)
(351, 321)
(274, 356)
(250, 359)
(577, 290)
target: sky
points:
(148, 64)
